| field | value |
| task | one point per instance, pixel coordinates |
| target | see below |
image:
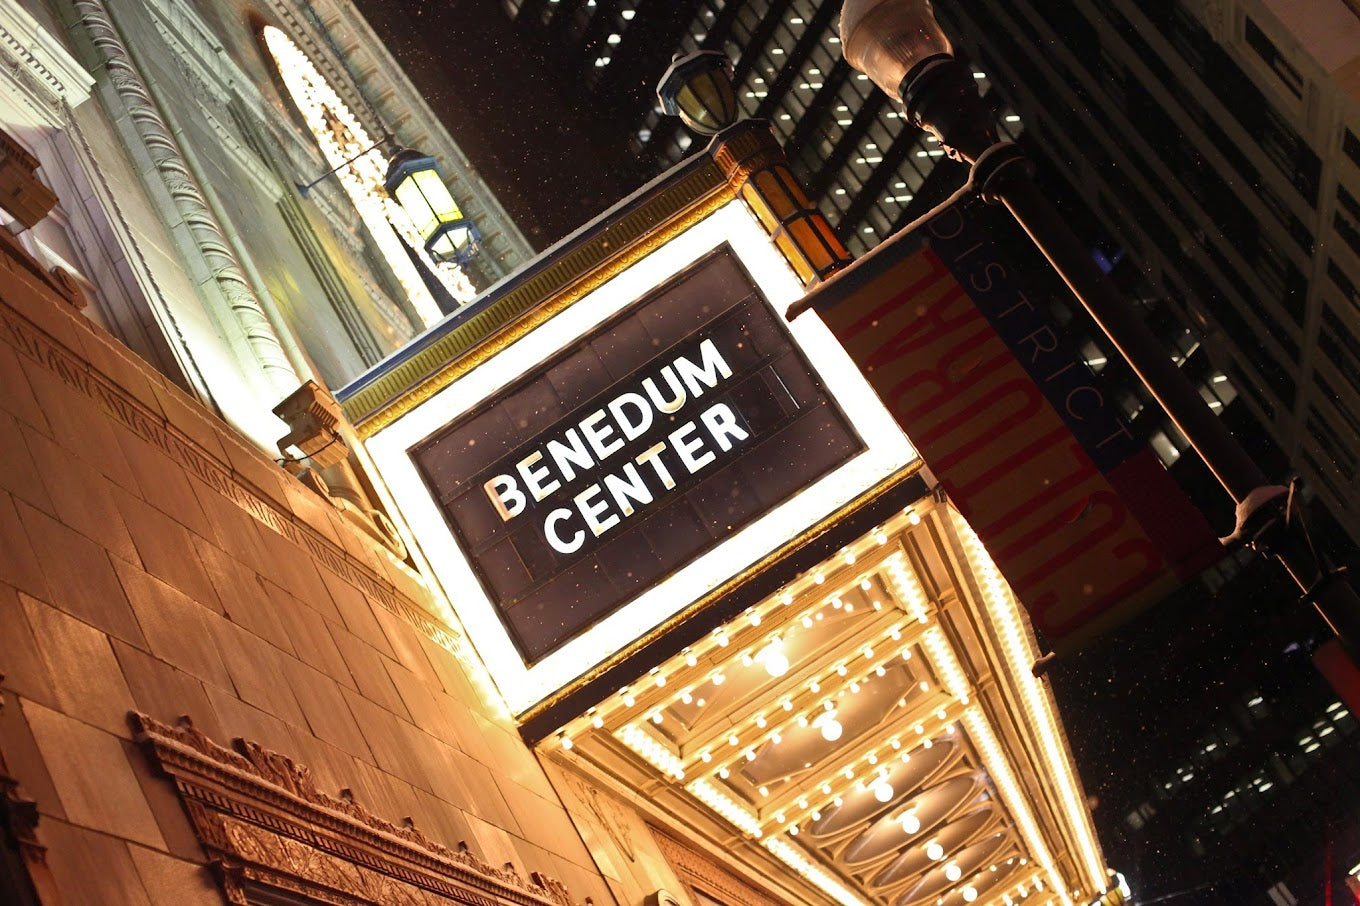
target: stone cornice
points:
(49, 71)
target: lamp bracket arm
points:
(303, 189)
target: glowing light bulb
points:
(883, 791)
(775, 660)
(953, 872)
(934, 852)
(910, 823)
(831, 728)
(969, 894)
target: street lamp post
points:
(900, 46)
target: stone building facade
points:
(180, 613)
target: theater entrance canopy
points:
(702, 563)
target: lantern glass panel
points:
(414, 202)
(447, 246)
(437, 194)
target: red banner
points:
(1080, 516)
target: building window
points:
(362, 170)
(1265, 48)
(1351, 145)
(1347, 218)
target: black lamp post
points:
(414, 181)
(901, 47)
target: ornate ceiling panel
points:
(875, 726)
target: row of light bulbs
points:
(771, 655)
(825, 718)
(906, 587)
(1020, 652)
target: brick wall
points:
(151, 560)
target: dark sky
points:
(507, 107)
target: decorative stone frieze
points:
(269, 831)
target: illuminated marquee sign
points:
(721, 419)
(620, 462)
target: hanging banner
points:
(1079, 514)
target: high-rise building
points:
(1215, 145)
(1214, 148)
(850, 146)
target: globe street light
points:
(900, 46)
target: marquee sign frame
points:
(524, 685)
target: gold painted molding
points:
(736, 581)
(568, 276)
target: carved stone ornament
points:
(698, 870)
(270, 833)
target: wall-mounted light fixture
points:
(698, 89)
(413, 179)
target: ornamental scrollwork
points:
(266, 825)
